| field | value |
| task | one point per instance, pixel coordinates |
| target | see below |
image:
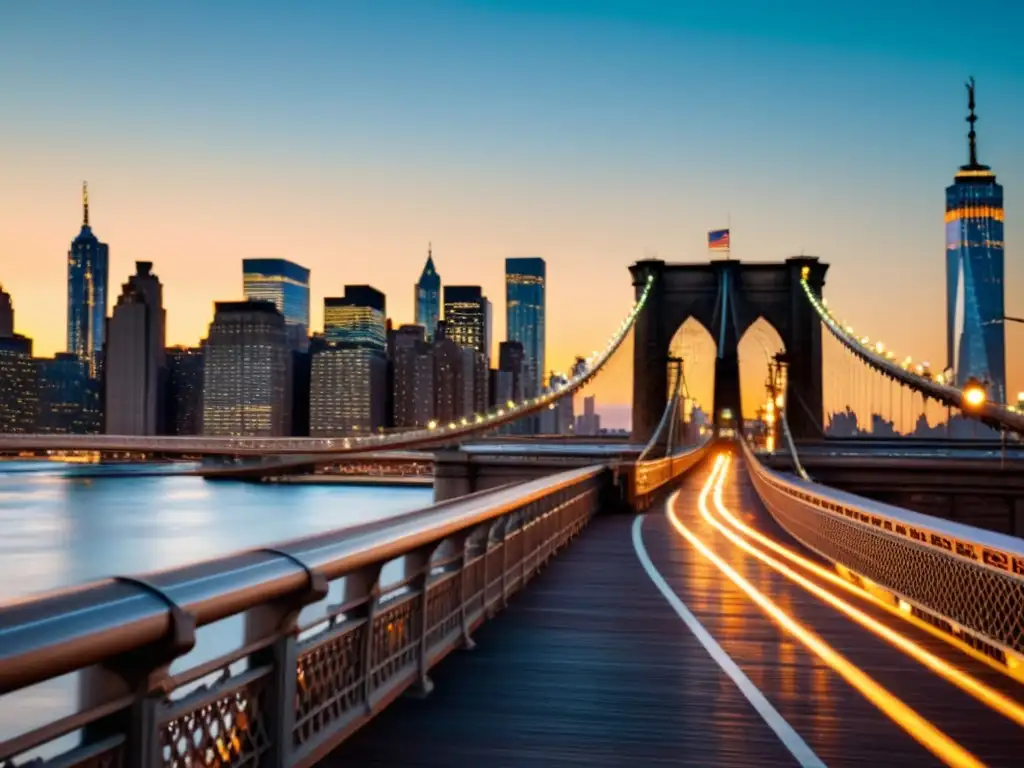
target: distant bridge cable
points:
(966, 400)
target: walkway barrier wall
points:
(291, 693)
(646, 478)
(963, 580)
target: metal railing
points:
(302, 689)
(648, 477)
(963, 580)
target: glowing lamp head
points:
(974, 394)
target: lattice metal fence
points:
(972, 585)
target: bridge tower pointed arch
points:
(727, 297)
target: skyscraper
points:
(69, 400)
(348, 374)
(524, 306)
(246, 372)
(359, 318)
(6, 314)
(347, 390)
(184, 391)
(19, 385)
(589, 422)
(88, 262)
(975, 336)
(286, 285)
(134, 358)
(428, 297)
(467, 317)
(413, 379)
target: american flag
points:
(718, 240)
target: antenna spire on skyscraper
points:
(85, 204)
(972, 119)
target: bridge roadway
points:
(594, 665)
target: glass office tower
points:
(286, 284)
(428, 297)
(359, 318)
(88, 262)
(348, 375)
(524, 307)
(467, 317)
(975, 336)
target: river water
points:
(58, 530)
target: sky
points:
(592, 133)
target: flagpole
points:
(728, 226)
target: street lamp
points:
(974, 394)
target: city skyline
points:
(523, 190)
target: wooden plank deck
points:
(591, 666)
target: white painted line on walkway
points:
(790, 739)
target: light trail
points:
(961, 679)
(926, 734)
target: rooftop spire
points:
(972, 119)
(85, 204)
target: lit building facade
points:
(286, 285)
(525, 281)
(247, 372)
(453, 378)
(184, 391)
(19, 385)
(134, 357)
(357, 318)
(412, 377)
(347, 392)
(69, 398)
(467, 317)
(88, 265)
(428, 297)
(975, 335)
(348, 371)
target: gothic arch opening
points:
(694, 345)
(756, 350)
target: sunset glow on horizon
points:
(347, 138)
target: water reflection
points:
(59, 531)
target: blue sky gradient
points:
(347, 135)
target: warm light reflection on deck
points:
(923, 731)
(961, 679)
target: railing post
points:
(417, 564)
(279, 619)
(464, 542)
(141, 672)
(362, 588)
(495, 537)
